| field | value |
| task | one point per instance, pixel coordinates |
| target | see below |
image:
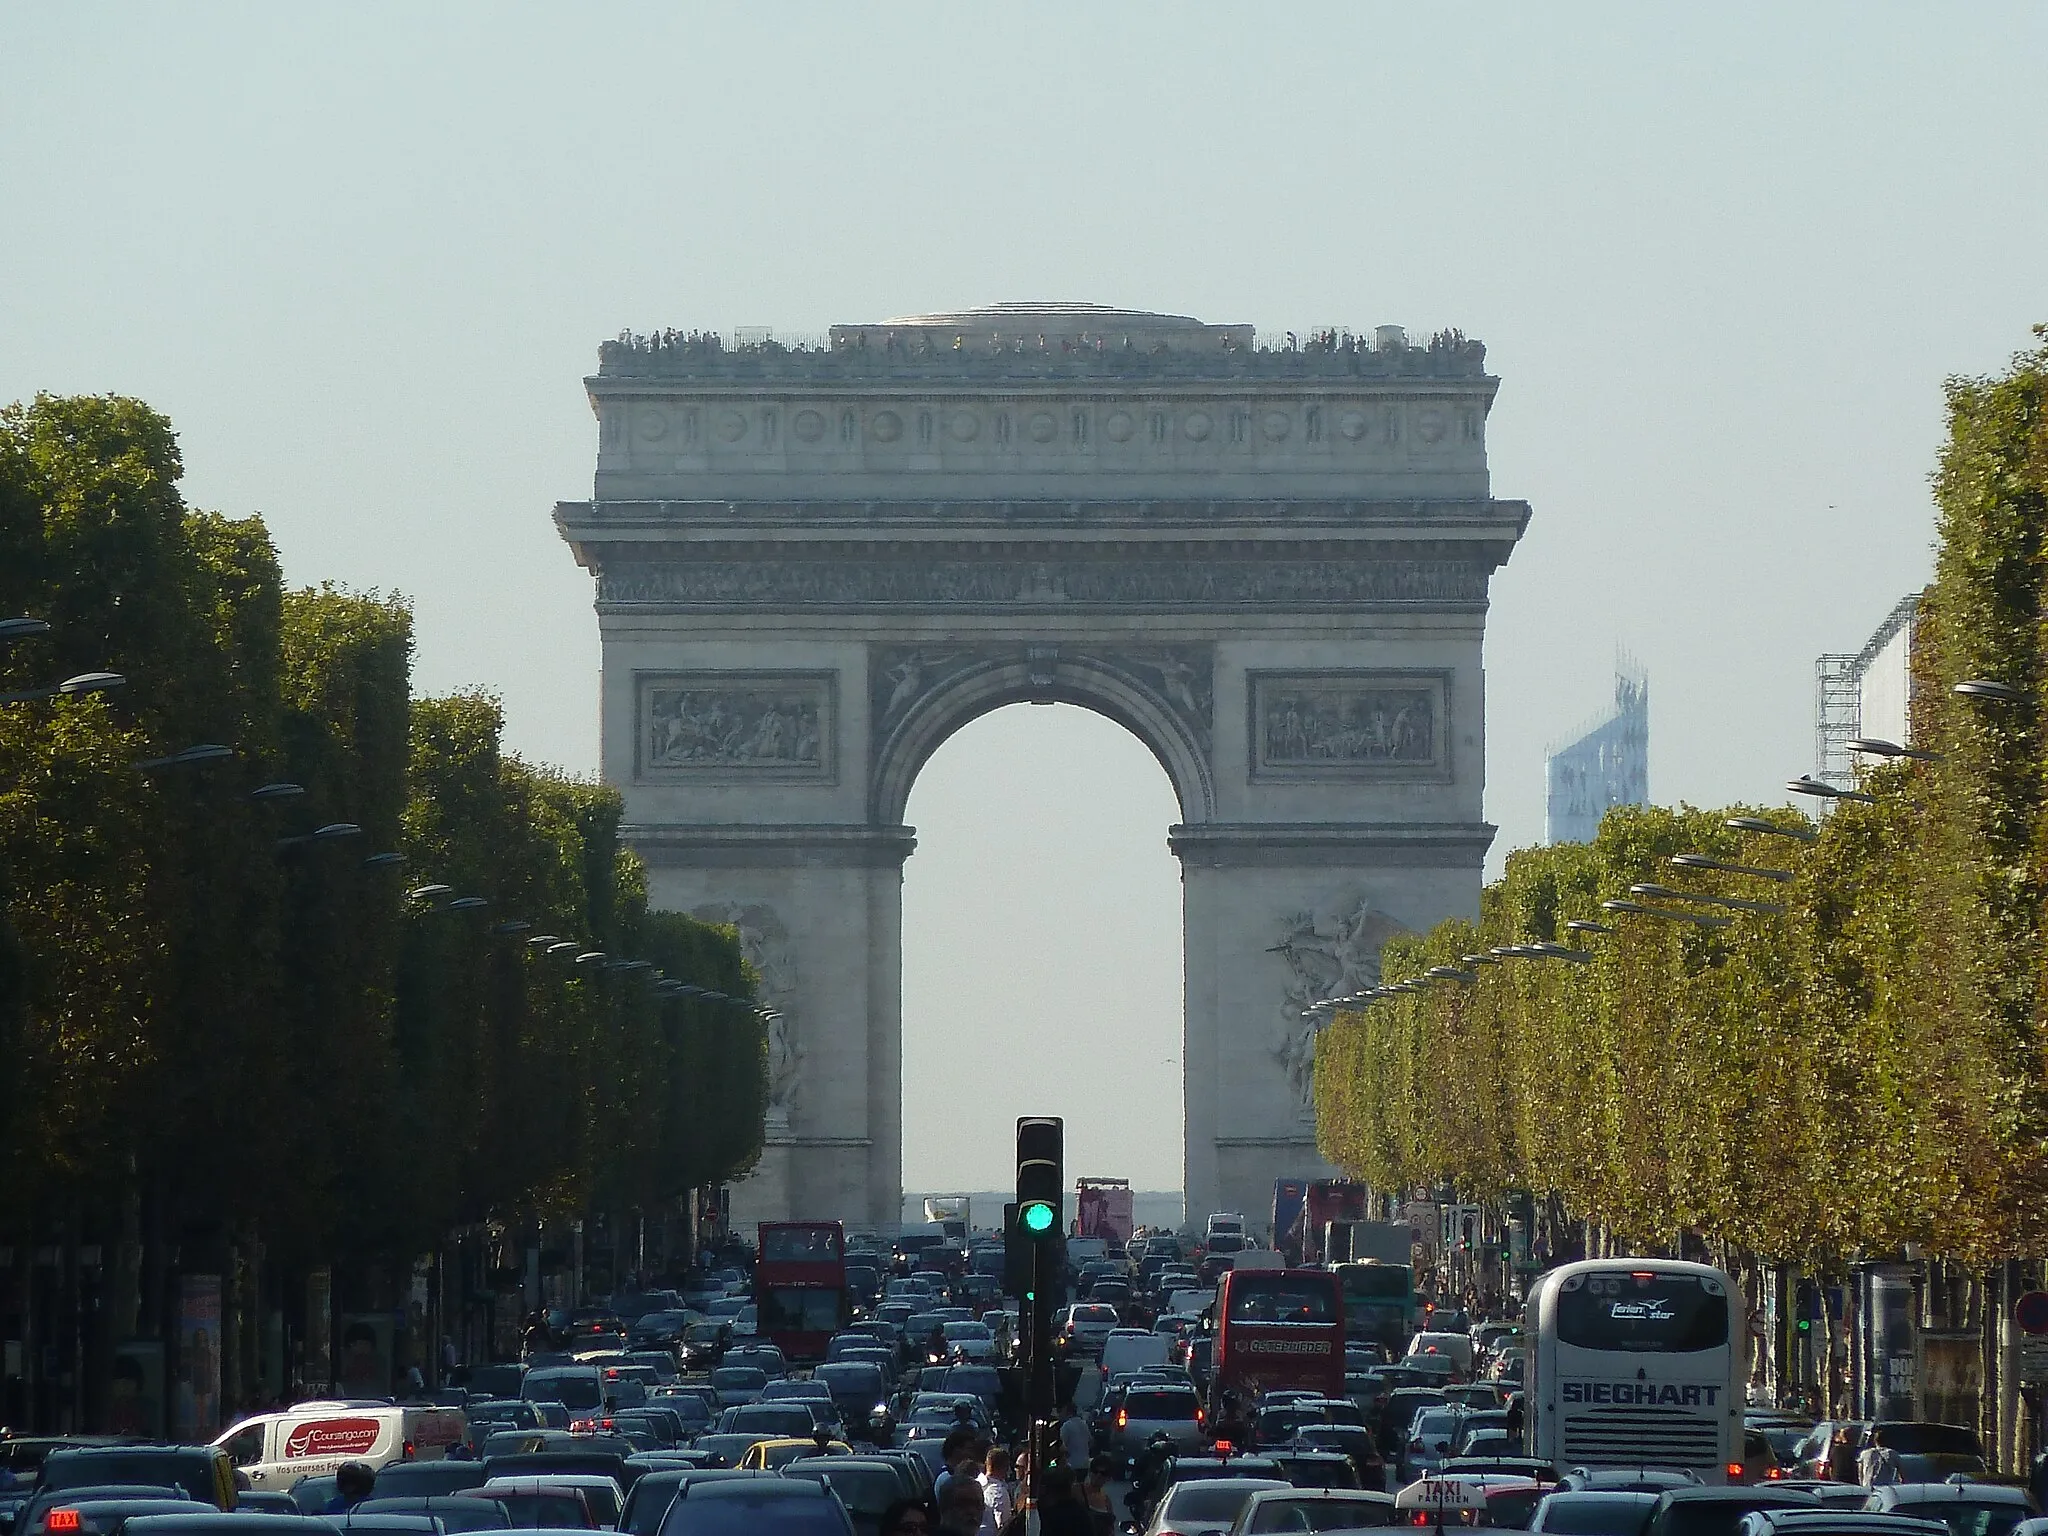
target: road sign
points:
(2030, 1312)
(2033, 1353)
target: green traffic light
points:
(1037, 1216)
(1806, 1325)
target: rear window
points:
(1927, 1439)
(1207, 1502)
(1624, 1310)
(1087, 1314)
(192, 1471)
(752, 1513)
(1966, 1519)
(1596, 1514)
(572, 1389)
(1160, 1405)
(1711, 1517)
(1321, 1515)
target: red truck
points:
(1102, 1208)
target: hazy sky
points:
(1722, 257)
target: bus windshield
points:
(1279, 1297)
(1660, 1313)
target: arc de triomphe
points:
(1270, 564)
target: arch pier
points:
(813, 565)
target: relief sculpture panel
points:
(1349, 725)
(736, 724)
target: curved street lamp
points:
(1985, 688)
(1666, 893)
(1877, 746)
(1701, 861)
(1697, 919)
(1770, 828)
(1807, 784)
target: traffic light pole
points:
(1040, 1153)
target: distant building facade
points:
(1867, 693)
(1607, 765)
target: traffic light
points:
(1032, 1232)
(1040, 1147)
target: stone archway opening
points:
(1042, 962)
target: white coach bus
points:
(1636, 1362)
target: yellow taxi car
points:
(774, 1455)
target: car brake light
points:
(1774, 1474)
(407, 1451)
(1123, 1418)
(1735, 1469)
(1201, 1417)
(63, 1520)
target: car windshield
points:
(1642, 1310)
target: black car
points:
(657, 1330)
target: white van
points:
(1455, 1347)
(312, 1439)
(1126, 1349)
(1225, 1224)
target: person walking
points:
(1076, 1440)
(996, 1491)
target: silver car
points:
(1149, 1409)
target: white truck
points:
(952, 1214)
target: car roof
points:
(1717, 1494)
(1250, 1484)
(798, 1487)
(1848, 1522)
(1982, 1493)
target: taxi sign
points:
(1442, 1501)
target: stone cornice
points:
(1348, 845)
(612, 517)
(748, 368)
(1004, 578)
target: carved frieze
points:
(1333, 953)
(746, 725)
(1002, 582)
(1349, 725)
(1178, 679)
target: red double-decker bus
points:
(1279, 1328)
(800, 1286)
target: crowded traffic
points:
(818, 1380)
